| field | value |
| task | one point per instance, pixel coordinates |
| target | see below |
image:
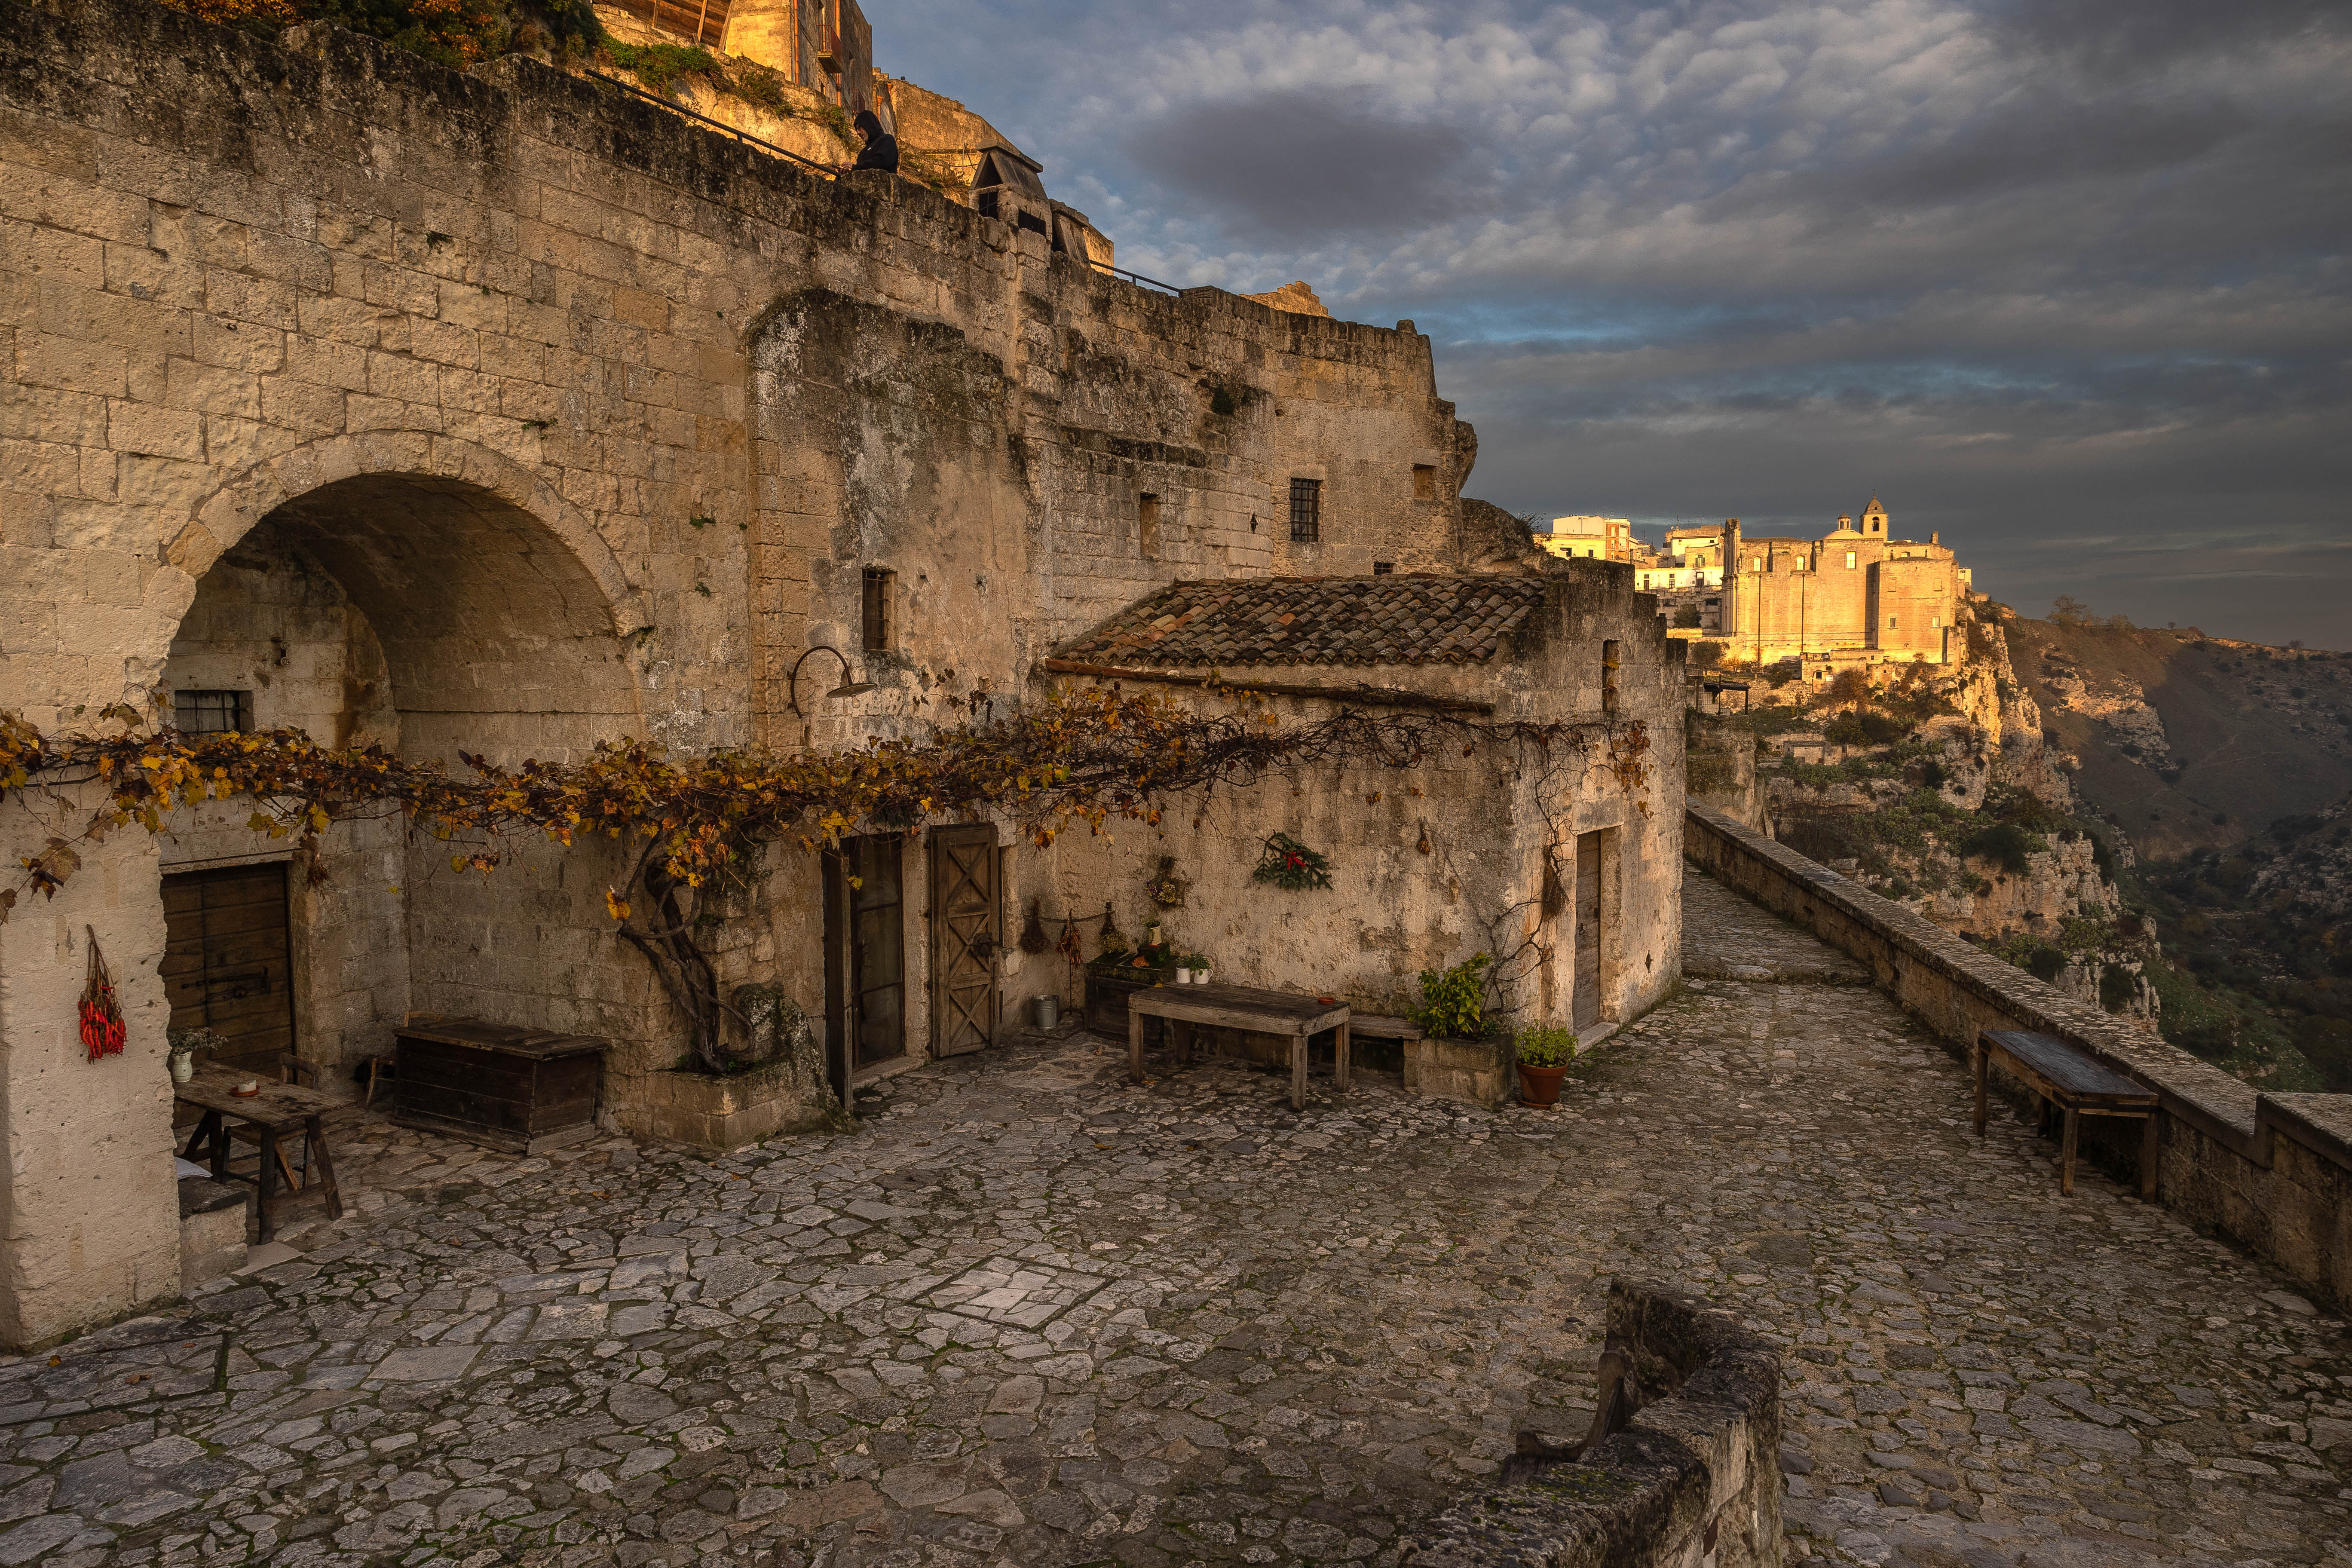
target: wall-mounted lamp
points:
(849, 687)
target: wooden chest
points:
(525, 1090)
(1107, 986)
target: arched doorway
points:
(431, 617)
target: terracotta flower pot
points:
(1541, 1086)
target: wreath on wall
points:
(1289, 864)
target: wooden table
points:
(281, 1111)
(2061, 1075)
(1240, 1008)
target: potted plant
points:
(1185, 972)
(1544, 1053)
(1453, 1001)
(1199, 969)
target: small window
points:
(1849, 560)
(988, 205)
(211, 713)
(1382, 568)
(1890, 623)
(1147, 513)
(1424, 481)
(1609, 661)
(877, 609)
(1306, 510)
(1934, 622)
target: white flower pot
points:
(1183, 975)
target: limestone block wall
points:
(2271, 1172)
(1693, 1483)
(504, 354)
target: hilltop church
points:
(1856, 591)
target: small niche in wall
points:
(1383, 568)
(1424, 481)
(1147, 512)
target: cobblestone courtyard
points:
(1027, 1314)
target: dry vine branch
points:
(1080, 756)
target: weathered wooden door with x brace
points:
(966, 914)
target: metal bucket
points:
(1049, 1012)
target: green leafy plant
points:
(1545, 1046)
(661, 67)
(1453, 1001)
(1289, 864)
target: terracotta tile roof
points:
(1410, 619)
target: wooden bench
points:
(2060, 1076)
(1240, 1008)
(280, 1118)
(1371, 1027)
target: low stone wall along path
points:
(1026, 1314)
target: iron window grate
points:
(207, 712)
(1306, 511)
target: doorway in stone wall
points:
(864, 952)
(1584, 1005)
(226, 957)
(966, 915)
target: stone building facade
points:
(498, 413)
(1854, 591)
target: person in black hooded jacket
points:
(881, 147)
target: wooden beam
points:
(1362, 696)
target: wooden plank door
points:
(1585, 1002)
(226, 955)
(967, 916)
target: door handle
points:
(983, 945)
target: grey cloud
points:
(2057, 272)
(1300, 163)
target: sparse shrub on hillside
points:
(661, 68)
(2006, 843)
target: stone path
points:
(1028, 1315)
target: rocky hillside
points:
(2186, 743)
(2155, 821)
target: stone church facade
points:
(1854, 594)
(500, 412)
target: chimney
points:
(1935, 539)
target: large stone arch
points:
(412, 594)
(227, 513)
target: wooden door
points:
(967, 918)
(865, 961)
(1585, 1003)
(225, 961)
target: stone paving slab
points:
(1027, 1314)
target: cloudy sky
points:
(2066, 280)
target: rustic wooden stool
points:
(279, 1113)
(2061, 1076)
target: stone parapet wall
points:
(1693, 1483)
(2272, 1173)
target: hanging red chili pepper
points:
(102, 1030)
